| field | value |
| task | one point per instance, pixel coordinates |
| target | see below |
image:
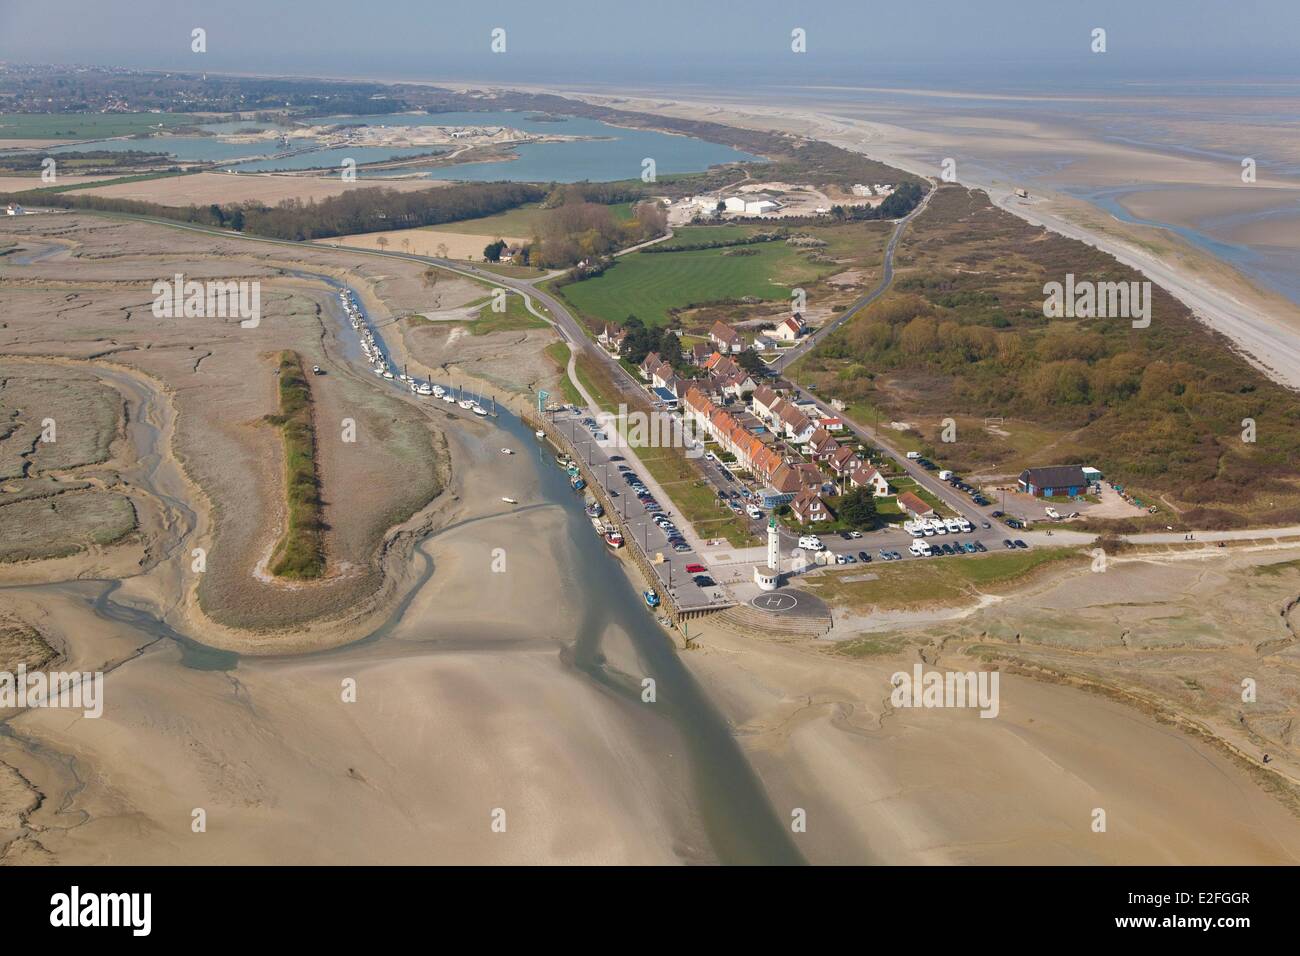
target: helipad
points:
(774, 603)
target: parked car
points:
(695, 569)
(864, 557)
(1008, 544)
(704, 581)
(1020, 544)
(979, 546)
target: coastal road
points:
(572, 332)
(886, 278)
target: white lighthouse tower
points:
(768, 577)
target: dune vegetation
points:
(300, 552)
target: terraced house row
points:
(785, 476)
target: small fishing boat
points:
(509, 501)
(598, 525)
(577, 483)
(507, 451)
(479, 410)
(613, 538)
(539, 433)
(466, 404)
(651, 597)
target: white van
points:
(938, 526)
(952, 524)
(966, 526)
(920, 549)
(913, 455)
(911, 528)
(812, 543)
(927, 529)
(945, 475)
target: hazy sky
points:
(660, 40)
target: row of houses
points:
(786, 478)
(727, 339)
(723, 379)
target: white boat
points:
(387, 374)
(448, 397)
(478, 409)
(539, 433)
(507, 451)
(466, 404)
(509, 501)
(424, 389)
(438, 391)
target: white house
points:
(789, 329)
(868, 477)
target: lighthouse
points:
(768, 577)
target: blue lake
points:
(616, 154)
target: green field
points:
(692, 235)
(521, 222)
(941, 581)
(86, 125)
(514, 318)
(649, 284)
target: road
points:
(886, 278)
(572, 332)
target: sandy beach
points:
(1264, 324)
